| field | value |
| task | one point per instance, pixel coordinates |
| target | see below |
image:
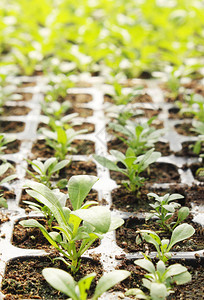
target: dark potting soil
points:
(25, 96)
(158, 173)
(32, 238)
(15, 111)
(27, 84)
(187, 149)
(11, 126)
(79, 98)
(174, 113)
(40, 149)
(185, 129)
(137, 99)
(24, 280)
(13, 147)
(197, 169)
(126, 236)
(191, 291)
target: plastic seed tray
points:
(108, 248)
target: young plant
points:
(46, 170)
(4, 140)
(55, 109)
(160, 280)
(61, 140)
(139, 137)
(85, 223)
(194, 105)
(131, 165)
(163, 247)
(198, 127)
(164, 209)
(65, 283)
(3, 168)
(120, 98)
(122, 113)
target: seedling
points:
(163, 247)
(160, 280)
(139, 137)
(54, 109)
(4, 140)
(164, 209)
(132, 165)
(65, 283)
(46, 170)
(122, 113)
(3, 168)
(198, 127)
(96, 220)
(61, 140)
(58, 87)
(194, 105)
(120, 98)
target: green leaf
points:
(61, 135)
(78, 188)
(106, 163)
(60, 165)
(108, 280)
(98, 216)
(180, 233)
(158, 291)
(145, 264)
(61, 281)
(175, 197)
(182, 278)
(175, 270)
(84, 285)
(183, 213)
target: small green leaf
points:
(180, 233)
(62, 281)
(145, 264)
(78, 188)
(158, 291)
(108, 280)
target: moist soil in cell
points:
(24, 280)
(126, 236)
(15, 110)
(185, 129)
(11, 126)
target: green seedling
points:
(163, 247)
(46, 170)
(58, 87)
(174, 83)
(61, 140)
(85, 223)
(160, 280)
(122, 113)
(198, 127)
(55, 109)
(120, 98)
(139, 137)
(132, 165)
(164, 209)
(4, 141)
(65, 283)
(3, 168)
(193, 105)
